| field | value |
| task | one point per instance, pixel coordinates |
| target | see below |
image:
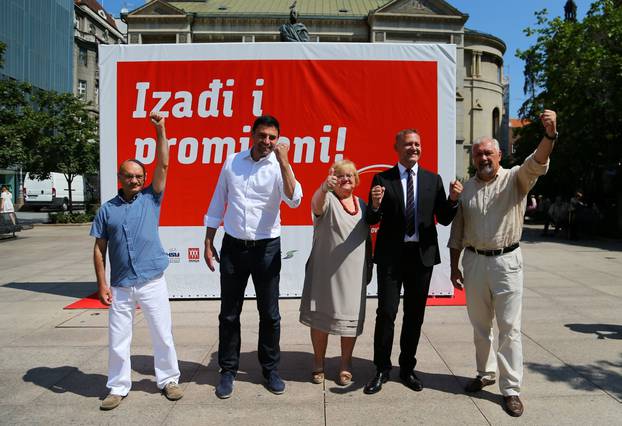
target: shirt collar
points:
(247, 154)
(120, 195)
(403, 169)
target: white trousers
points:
(494, 287)
(152, 297)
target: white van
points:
(53, 192)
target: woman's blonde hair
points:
(346, 166)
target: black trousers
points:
(238, 260)
(409, 272)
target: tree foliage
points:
(575, 68)
(68, 142)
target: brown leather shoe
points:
(478, 383)
(513, 405)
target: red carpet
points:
(89, 302)
(458, 299)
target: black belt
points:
(494, 252)
(249, 243)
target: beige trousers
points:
(494, 287)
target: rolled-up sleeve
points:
(216, 210)
(529, 172)
(296, 196)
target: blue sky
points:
(505, 19)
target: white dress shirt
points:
(248, 196)
(403, 177)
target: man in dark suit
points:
(405, 200)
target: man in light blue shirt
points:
(127, 226)
(247, 197)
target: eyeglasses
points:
(129, 176)
(262, 135)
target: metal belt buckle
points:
(249, 243)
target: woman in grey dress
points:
(333, 297)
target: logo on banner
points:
(174, 256)
(193, 254)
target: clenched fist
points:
(280, 150)
(455, 189)
(377, 193)
(549, 121)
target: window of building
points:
(81, 89)
(495, 123)
(84, 56)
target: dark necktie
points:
(410, 205)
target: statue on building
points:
(570, 11)
(294, 31)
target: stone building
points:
(92, 26)
(479, 80)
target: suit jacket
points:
(431, 202)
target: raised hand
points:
(549, 121)
(281, 151)
(377, 193)
(157, 119)
(330, 182)
(455, 189)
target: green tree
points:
(575, 68)
(69, 139)
(19, 124)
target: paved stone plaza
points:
(53, 361)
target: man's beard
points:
(486, 170)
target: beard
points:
(486, 170)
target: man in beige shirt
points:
(489, 224)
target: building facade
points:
(92, 26)
(479, 80)
(38, 38)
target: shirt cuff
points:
(211, 222)
(296, 196)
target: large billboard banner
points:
(333, 101)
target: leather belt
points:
(249, 243)
(497, 252)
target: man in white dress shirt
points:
(247, 197)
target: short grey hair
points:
(402, 134)
(481, 139)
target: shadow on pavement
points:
(69, 289)
(602, 331)
(590, 377)
(68, 379)
(72, 379)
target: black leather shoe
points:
(375, 384)
(411, 380)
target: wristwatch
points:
(551, 138)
